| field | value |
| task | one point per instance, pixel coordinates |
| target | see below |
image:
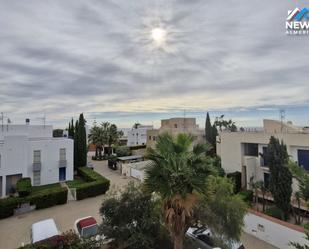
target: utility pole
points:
(282, 117)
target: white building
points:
(243, 151)
(138, 135)
(31, 151)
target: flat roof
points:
(43, 230)
(124, 158)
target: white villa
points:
(138, 135)
(31, 151)
(243, 151)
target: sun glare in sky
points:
(158, 35)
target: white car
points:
(44, 230)
(202, 238)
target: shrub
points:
(95, 184)
(48, 197)
(246, 195)
(7, 206)
(137, 147)
(122, 151)
(275, 212)
(236, 176)
(23, 186)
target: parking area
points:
(16, 230)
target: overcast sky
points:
(63, 57)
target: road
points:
(16, 230)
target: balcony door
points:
(62, 174)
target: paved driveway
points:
(15, 230)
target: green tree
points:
(81, 142)
(96, 137)
(208, 130)
(227, 125)
(71, 129)
(130, 219)
(76, 137)
(221, 210)
(281, 177)
(177, 174)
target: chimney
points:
(27, 121)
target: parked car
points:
(86, 227)
(45, 231)
(202, 238)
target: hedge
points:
(49, 197)
(95, 184)
(276, 213)
(23, 186)
(41, 198)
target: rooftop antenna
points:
(282, 117)
(43, 118)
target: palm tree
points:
(178, 173)
(96, 137)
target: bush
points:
(42, 197)
(137, 147)
(7, 206)
(95, 184)
(236, 176)
(275, 212)
(23, 186)
(122, 151)
(306, 226)
(49, 196)
(246, 195)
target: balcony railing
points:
(62, 163)
(36, 166)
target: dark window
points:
(264, 161)
(266, 180)
(175, 125)
(149, 137)
(251, 149)
(303, 158)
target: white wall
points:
(50, 159)
(16, 151)
(138, 136)
(273, 233)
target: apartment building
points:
(138, 135)
(175, 126)
(243, 151)
(31, 151)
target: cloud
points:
(96, 57)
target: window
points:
(149, 137)
(62, 154)
(251, 149)
(36, 178)
(36, 156)
(303, 158)
(175, 125)
(264, 161)
(266, 180)
(154, 138)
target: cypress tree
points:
(82, 141)
(76, 152)
(208, 130)
(281, 177)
